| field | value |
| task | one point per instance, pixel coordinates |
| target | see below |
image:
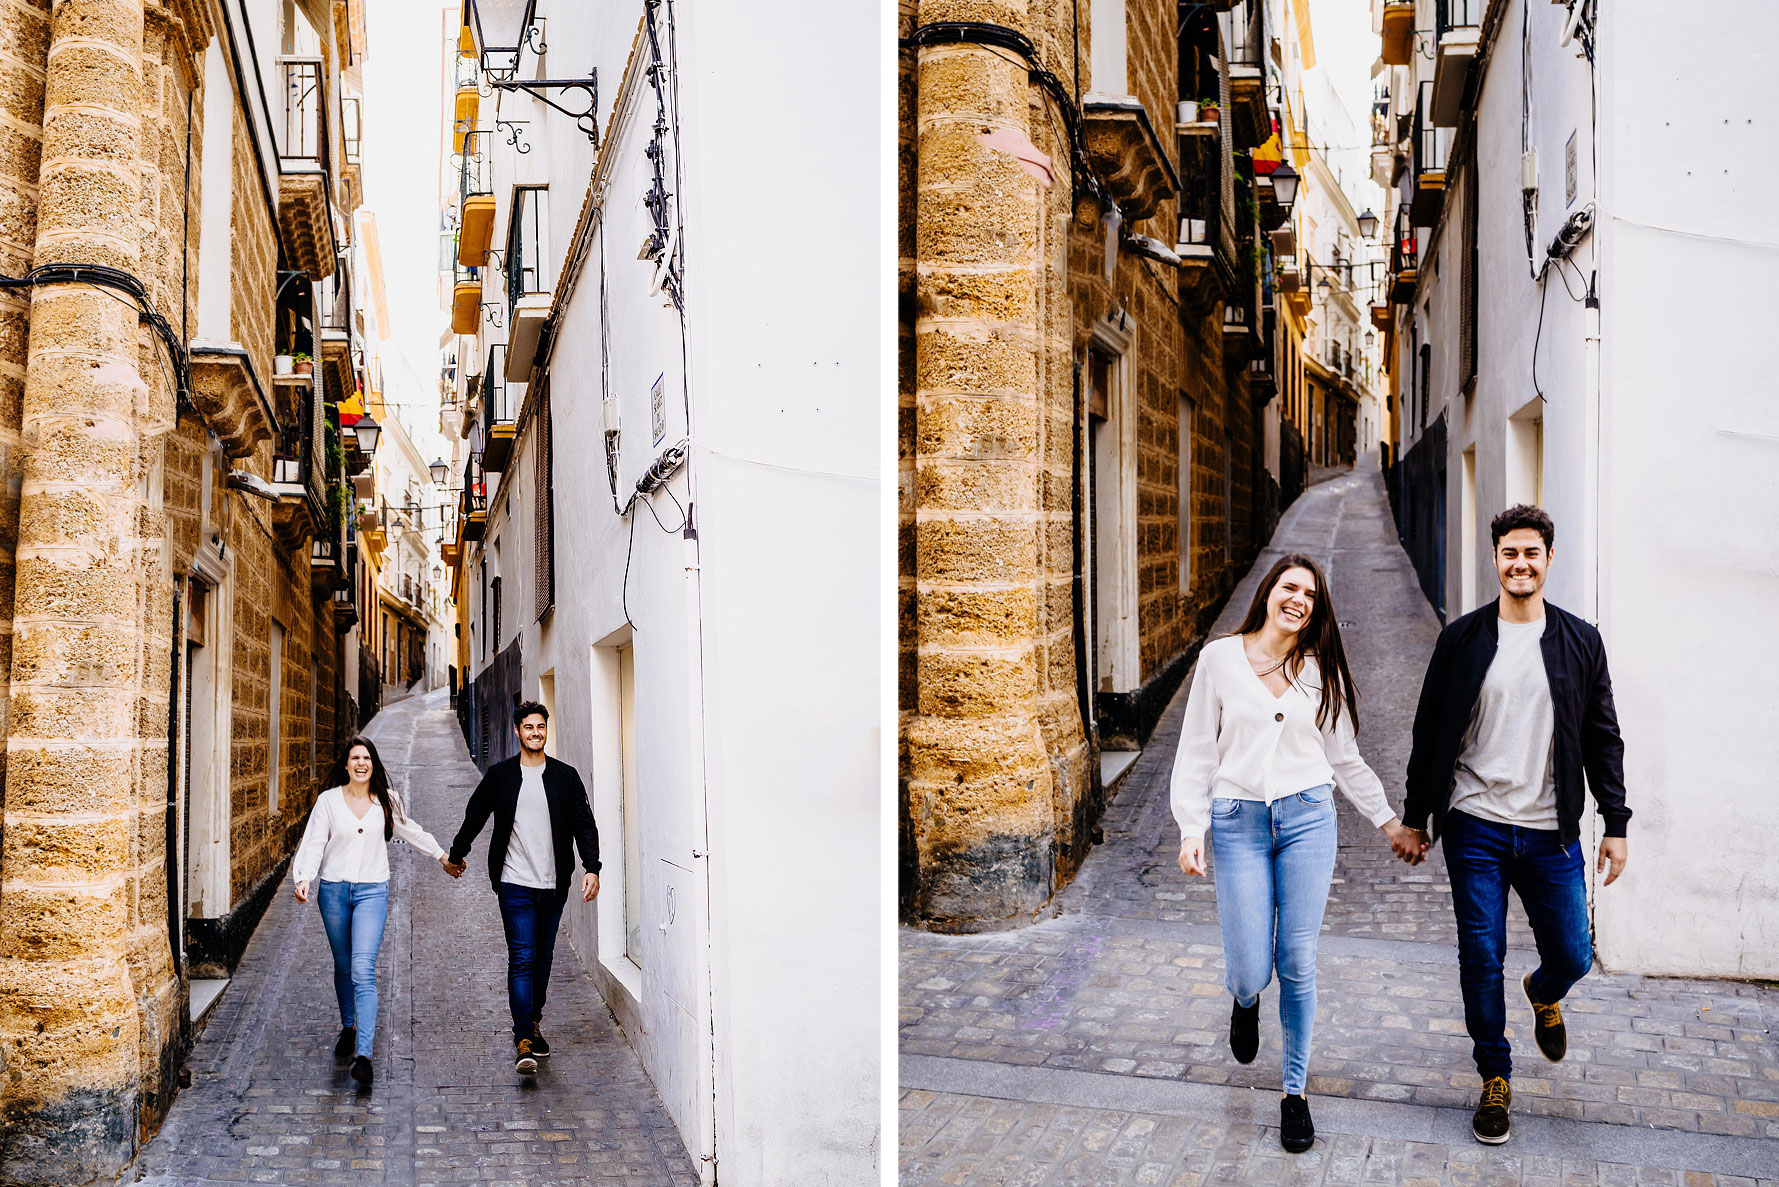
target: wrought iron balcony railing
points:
(304, 125)
(1455, 14)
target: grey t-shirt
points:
(1504, 770)
(531, 850)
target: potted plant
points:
(281, 364)
(1207, 110)
(302, 363)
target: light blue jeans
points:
(353, 914)
(1274, 863)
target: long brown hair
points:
(339, 777)
(1320, 637)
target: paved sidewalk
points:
(269, 1103)
(1092, 1048)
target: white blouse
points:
(342, 847)
(1240, 741)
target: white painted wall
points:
(755, 1008)
(1660, 463)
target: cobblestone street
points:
(1091, 1048)
(269, 1102)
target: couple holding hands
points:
(1516, 707)
(541, 815)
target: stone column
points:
(982, 818)
(68, 1013)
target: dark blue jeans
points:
(1484, 859)
(530, 917)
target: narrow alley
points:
(1091, 1047)
(269, 1101)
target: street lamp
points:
(438, 469)
(367, 430)
(503, 29)
(1284, 184)
(1368, 224)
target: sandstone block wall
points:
(1000, 282)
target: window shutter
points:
(544, 518)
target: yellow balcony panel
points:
(1398, 32)
(466, 307)
(498, 450)
(464, 112)
(1423, 211)
(475, 230)
(466, 42)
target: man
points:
(1515, 709)
(540, 813)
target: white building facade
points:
(671, 418)
(1564, 212)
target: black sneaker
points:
(347, 1041)
(1244, 1031)
(1547, 1026)
(1490, 1123)
(361, 1069)
(1297, 1132)
(525, 1063)
(539, 1046)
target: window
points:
(1467, 309)
(1467, 555)
(274, 716)
(632, 825)
(494, 593)
(527, 255)
(544, 514)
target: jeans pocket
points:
(1318, 795)
(1224, 806)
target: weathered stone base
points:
(82, 1135)
(995, 884)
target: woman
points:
(346, 846)
(1269, 733)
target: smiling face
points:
(1292, 600)
(1520, 562)
(533, 732)
(358, 764)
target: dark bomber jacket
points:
(571, 818)
(1586, 741)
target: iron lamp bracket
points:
(538, 88)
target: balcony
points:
(1430, 150)
(475, 200)
(228, 394)
(1404, 263)
(305, 221)
(1456, 35)
(298, 461)
(529, 280)
(474, 508)
(351, 170)
(467, 101)
(1124, 151)
(498, 413)
(1244, 40)
(326, 573)
(1398, 32)
(333, 299)
(466, 300)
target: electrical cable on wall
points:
(119, 281)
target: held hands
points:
(455, 869)
(1410, 844)
(302, 892)
(1192, 856)
(589, 888)
(1612, 849)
